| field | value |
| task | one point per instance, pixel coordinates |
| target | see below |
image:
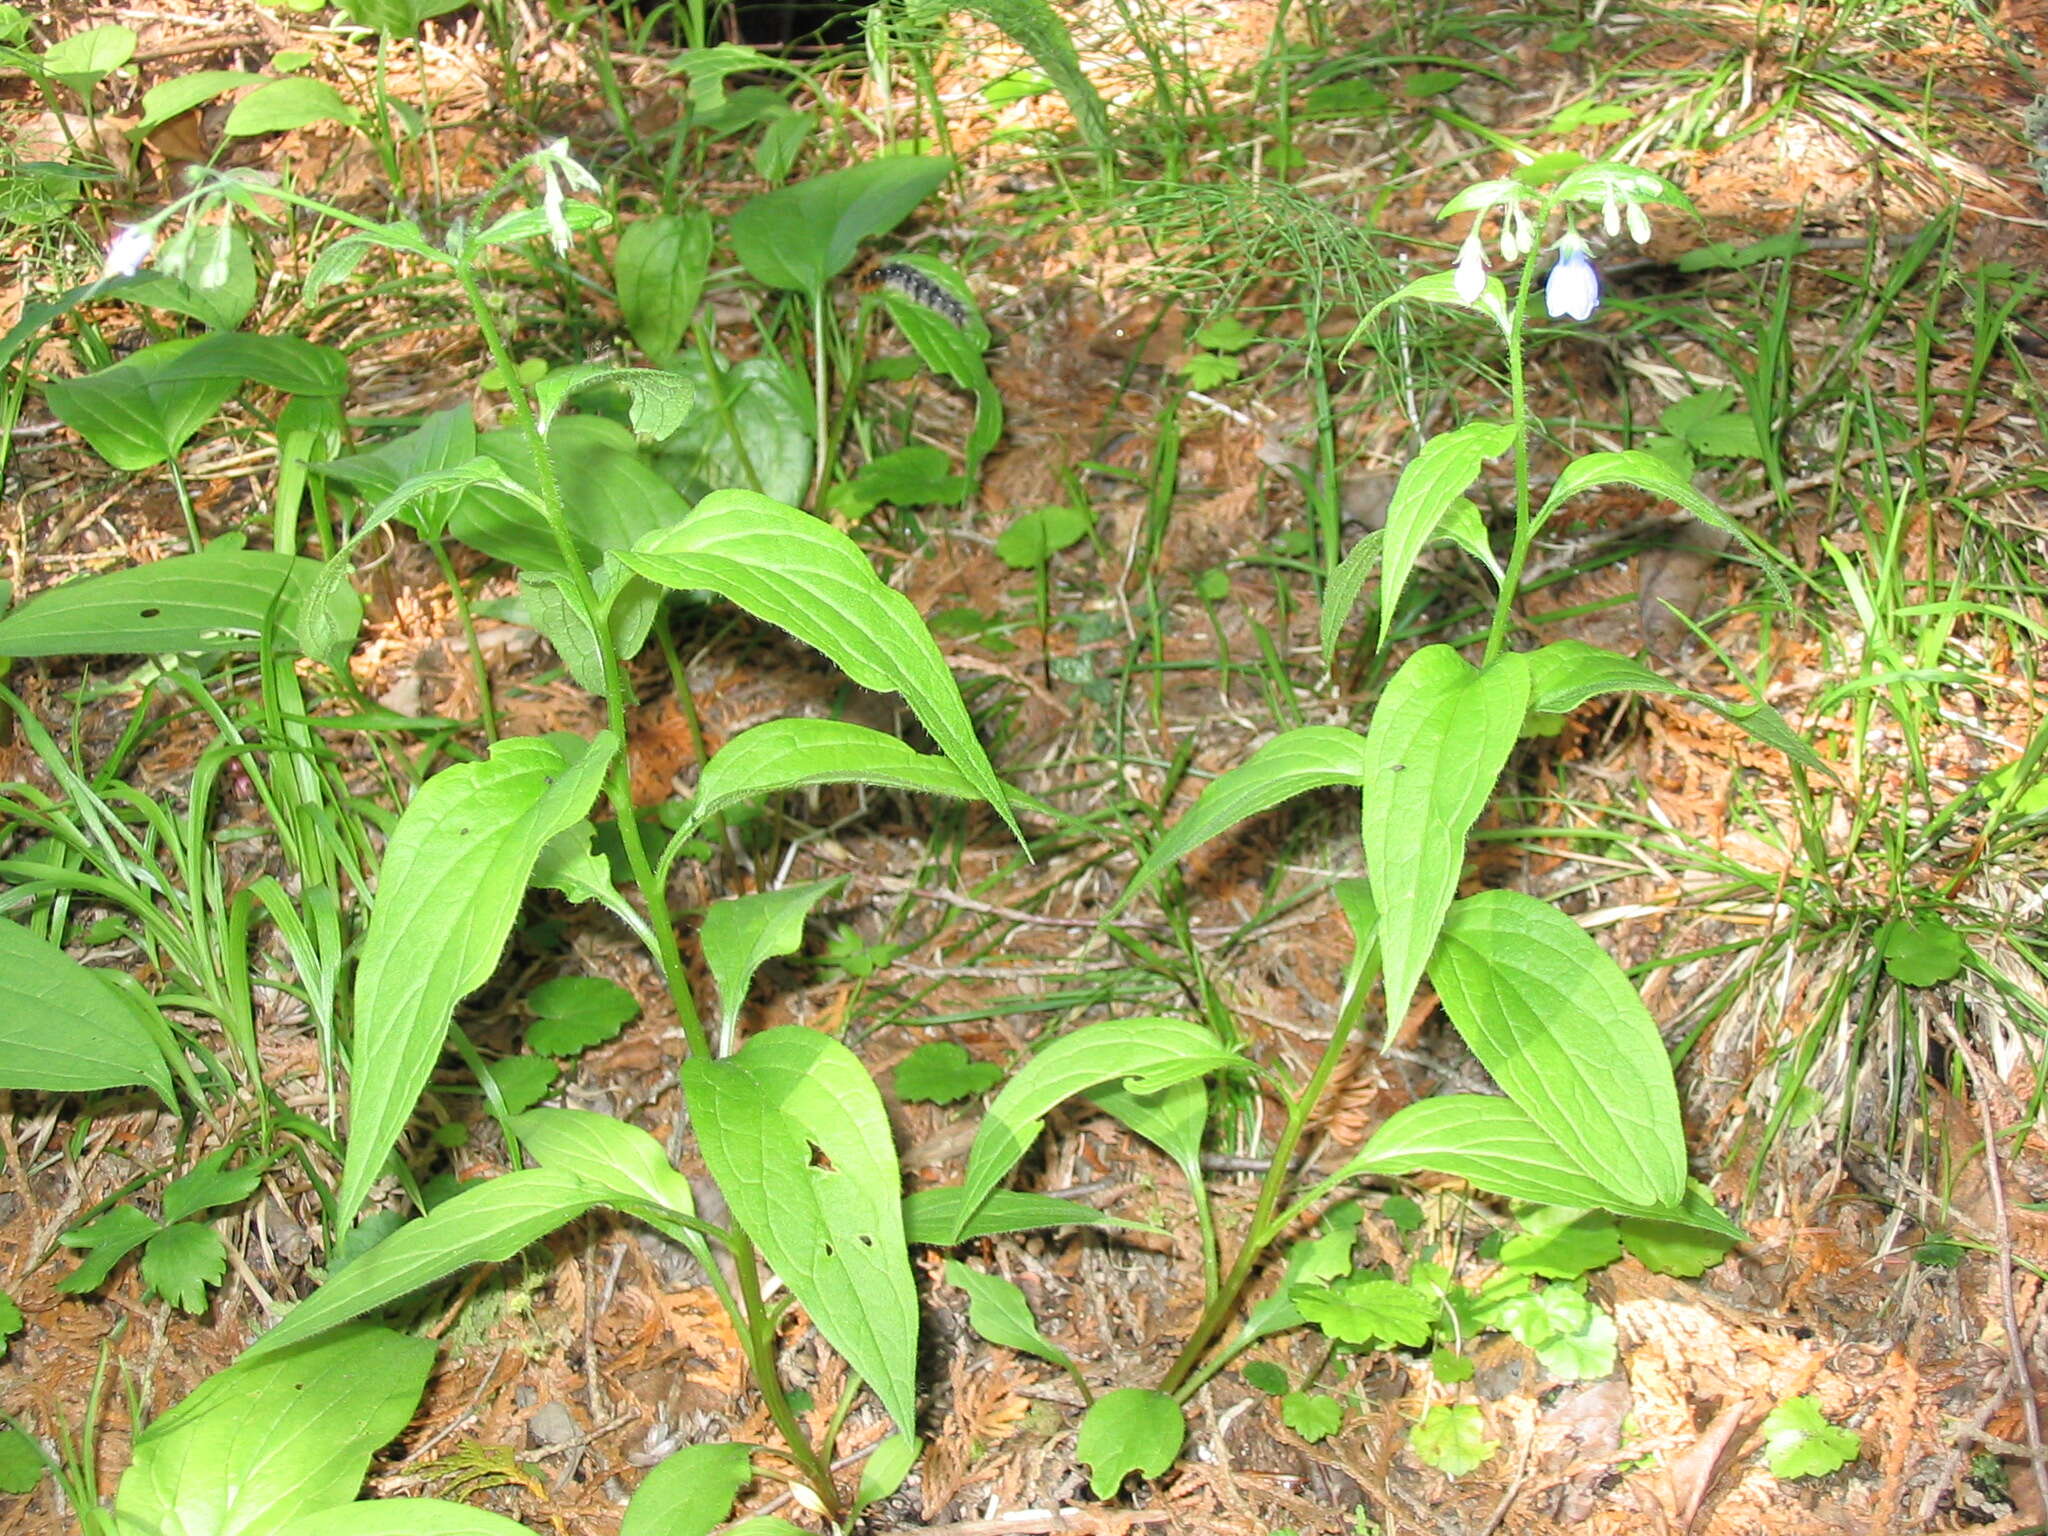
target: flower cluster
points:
(1573, 286)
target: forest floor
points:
(1842, 1118)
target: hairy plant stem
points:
(1264, 1228)
(619, 780)
(757, 1325)
(1518, 396)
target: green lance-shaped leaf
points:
(1341, 592)
(812, 580)
(253, 1445)
(997, 1310)
(1566, 673)
(1172, 1119)
(288, 363)
(798, 752)
(1433, 484)
(1043, 33)
(63, 1029)
(486, 1224)
(1147, 1054)
(621, 1162)
(801, 237)
(1439, 738)
(742, 933)
(932, 1217)
(690, 1492)
(657, 403)
(223, 598)
(1495, 1145)
(794, 1131)
(1549, 1014)
(453, 876)
(1292, 763)
(1646, 472)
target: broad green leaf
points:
(1922, 952)
(931, 1217)
(657, 402)
(798, 752)
(63, 1029)
(402, 1517)
(107, 1240)
(742, 933)
(689, 1492)
(258, 1443)
(611, 498)
(1265, 1376)
(286, 104)
(1147, 1054)
(21, 1461)
(788, 568)
(950, 338)
(1586, 1353)
(1438, 741)
(1314, 1416)
(1359, 1309)
(1034, 538)
(941, 1072)
(1129, 1430)
(794, 1131)
(181, 93)
(1561, 1029)
(1292, 763)
(485, 1224)
(617, 1161)
(1496, 1145)
(442, 441)
(1800, 1442)
(573, 1013)
(801, 237)
(211, 1184)
(1452, 1438)
(86, 57)
(888, 1464)
(1670, 1248)
(1434, 481)
(207, 271)
(659, 267)
(1172, 1119)
(289, 363)
(454, 873)
(222, 598)
(181, 1261)
(1564, 1252)
(131, 414)
(997, 1310)
(1566, 673)
(1340, 593)
(1646, 472)
(751, 429)
(397, 18)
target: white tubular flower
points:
(1638, 224)
(1573, 288)
(1468, 280)
(1610, 216)
(129, 250)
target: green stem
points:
(758, 1337)
(481, 672)
(619, 785)
(1518, 396)
(1263, 1228)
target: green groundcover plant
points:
(788, 1120)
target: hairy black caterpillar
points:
(922, 290)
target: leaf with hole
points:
(254, 1445)
(1437, 743)
(222, 598)
(1561, 1029)
(63, 1029)
(1292, 763)
(788, 568)
(454, 874)
(794, 1131)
